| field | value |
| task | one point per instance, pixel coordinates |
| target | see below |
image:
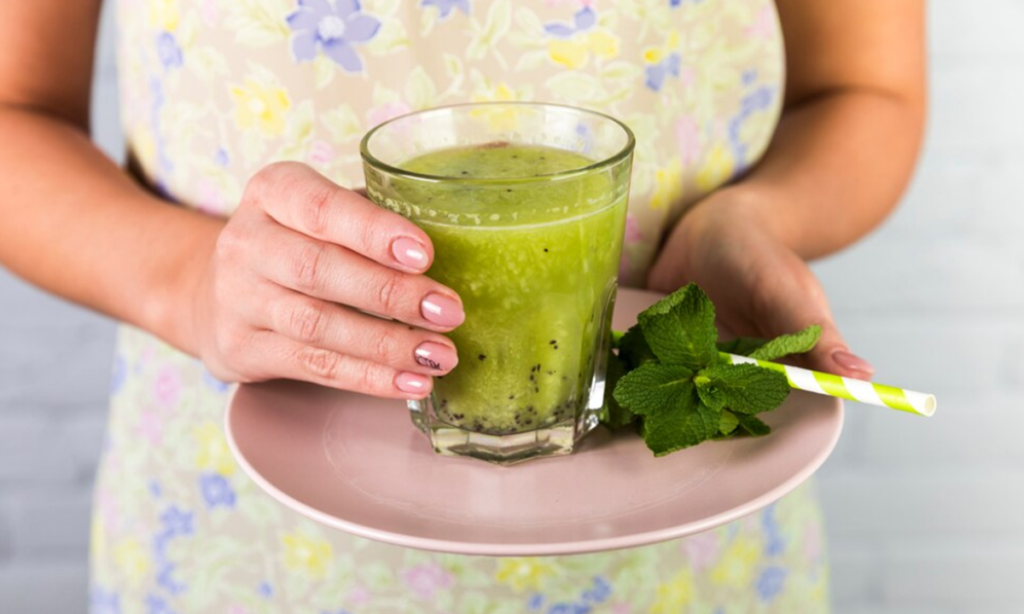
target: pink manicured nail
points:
(849, 361)
(413, 383)
(410, 253)
(436, 356)
(442, 310)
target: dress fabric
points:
(212, 91)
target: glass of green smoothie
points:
(525, 204)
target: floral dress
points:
(211, 91)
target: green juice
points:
(534, 254)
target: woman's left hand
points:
(728, 246)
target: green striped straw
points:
(910, 401)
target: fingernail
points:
(409, 252)
(850, 361)
(436, 356)
(442, 310)
(413, 383)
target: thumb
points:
(831, 354)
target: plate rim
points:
(606, 544)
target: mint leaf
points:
(795, 343)
(753, 426)
(613, 415)
(683, 425)
(652, 387)
(747, 388)
(728, 422)
(674, 417)
(742, 346)
(709, 393)
(680, 328)
(633, 348)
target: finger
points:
(798, 302)
(302, 199)
(330, 326)
(333, 273)
(280, 356)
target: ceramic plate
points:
(358, 464)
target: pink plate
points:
(358, 464)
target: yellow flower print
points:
(260, 106)
(736, 567)
(306, 555)
(717, 168)
(213, 453)
(575, 52)
(497, 120)
(523, 573)
(164, 14)
(673, 595)
(668, 185)
(131, 559)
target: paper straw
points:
(910, 401)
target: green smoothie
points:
(534, 256)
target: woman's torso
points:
(212, 91)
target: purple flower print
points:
(265, 590)
(331, 27)
(216, 490)
(536, 602)
(156, 605)
(770, 583)
(168, 50)
(584, 19)
(427, 578)
(177, 521)
(657, 73)
(104, 602)
(445, 7)
(600, 593)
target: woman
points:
(214, 93)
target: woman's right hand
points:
(282, 293)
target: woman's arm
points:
(842, 155)
(282, 289)
(71, 221)
(853, 121)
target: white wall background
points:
(923, 516)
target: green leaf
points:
(686, 423)
(728, 422)
(613, 415)
(674, 417)
(709, 392)
(654, 387)
(743, 346)
(633, 348)
(680, 328)
(748, 389)
(753, 426)
(796, 343)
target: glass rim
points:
(619, 156)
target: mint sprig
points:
(668, 382)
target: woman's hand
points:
(729, 246)
(283, 291)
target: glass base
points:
(550, 440)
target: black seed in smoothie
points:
(553, 341)
(545, 250)
(482, 357)
(536, 388)
(465, 172)
(511, 396)
(551, 372)
(509, 190)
